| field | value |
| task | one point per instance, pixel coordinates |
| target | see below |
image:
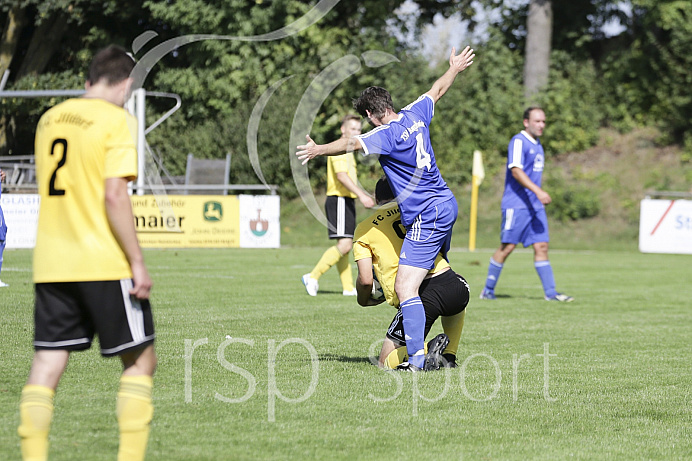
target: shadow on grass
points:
(343, 358)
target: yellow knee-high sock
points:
(134, 411)
(452, 327)
(35, 413)
(344, 267)
(396, 358)
(328, 259)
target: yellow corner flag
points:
(478, 174)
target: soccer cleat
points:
(449, 361)
(408, 367)
(433, 358)
(561, 298)
(487, 294)
(3, 284)
(353, 292)
(311, 285)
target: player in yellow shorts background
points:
(445, 294)
(89, 273)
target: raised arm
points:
(340, 146)
(457, 64)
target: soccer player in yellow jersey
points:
(342, 190)
(445, 294)
(89, 274)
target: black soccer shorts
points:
(68, 314)
(442, 296)
(341, 216)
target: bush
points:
(571, 201)
(573, 113)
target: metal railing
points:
(667, 193)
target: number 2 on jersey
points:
(51, 187)
(422, 157)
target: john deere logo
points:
(213, 211)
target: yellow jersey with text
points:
(79, 144)
(344, 163)
(380, 237)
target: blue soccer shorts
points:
(429, 234)
(520, 225)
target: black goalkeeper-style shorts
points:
(442, 296)
(67, 315)
(341, 216)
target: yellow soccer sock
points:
(396, 358)
(452, 327)
(399, 356)
(35, 413)
(328, 259)
(134, 411)
(344, 268)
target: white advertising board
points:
(259, 221)
(21, 216)
(665, 226)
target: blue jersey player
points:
(428, 207)
(523, 207)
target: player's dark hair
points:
(348, 118)
(374, 99)
(112, 64)
(527, 112)
(383, 191)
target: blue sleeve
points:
(376, 141)
(515, 153)
(423, 107)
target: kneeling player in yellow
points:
(89, 273)
(445, 294)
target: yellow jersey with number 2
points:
(79, 144)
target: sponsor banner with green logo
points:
(187, 221)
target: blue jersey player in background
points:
(523, 207)
(428, 207)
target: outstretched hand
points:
(462, 60)
(307, 151)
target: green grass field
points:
(605, 377)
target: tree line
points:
(556, 54)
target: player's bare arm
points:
(348, 183)
(311, 149)
(526, 182)
(364, 283)
(121, 219)
(457, 64)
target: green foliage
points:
(481, 111)
(571, 104)
(649, 82)
(26, 112)
(573, 198)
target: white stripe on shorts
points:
(133, 310)
(509, 217)
(340, 215)
(415, 228)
